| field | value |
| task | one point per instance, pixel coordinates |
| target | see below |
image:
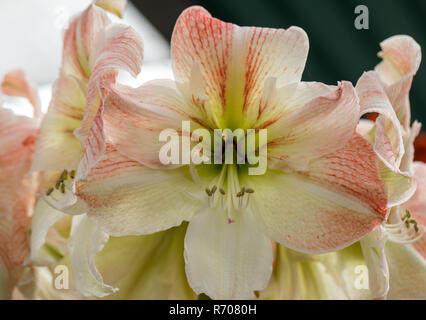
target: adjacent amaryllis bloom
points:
(94, 51)
(322, 189)
(17, 186)
(396, 269)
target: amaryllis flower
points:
(396, 269)
(322, 190)
(17, 186)
(94, 51)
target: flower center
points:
(224, 191)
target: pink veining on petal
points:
(17, 190)
(16, 84)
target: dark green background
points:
(338, 51)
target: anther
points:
(49, 191)
(407, 215)
(414, 223)
(222, 191)
(208, 192)
(63, 187)
(213, 190)
(64, 175)
(58, 184)
(72, 174)
(249, 190)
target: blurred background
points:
(31, 31)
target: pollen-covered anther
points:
(64, 175)
(60, 184)
(407, 215)
(213, 190)
(49, 191)
(210, 193)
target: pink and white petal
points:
(401, 59)
(57, 148)
(408, 158)
(17, 137)
(9, 271)
(114, 6)
(80, 41)
(22, 212)
(94, 148)
(235, 61)
(407, 279)
(117, 48)
(16, 84)
(364, 126)
(17, 189)
(134, 119)
(127, 198)
(388, 142)
(339, 200)
(399, 187)
(319, 127)
(417, 204)
(373, 250)
(401, 56)
(86, 240)
(283, 101)
(43, 219)
(226, 260)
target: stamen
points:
(222, 193)
(249, 191)
(212, 191)
(72, 174)
(208, 197)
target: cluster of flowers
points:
(82, 185)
